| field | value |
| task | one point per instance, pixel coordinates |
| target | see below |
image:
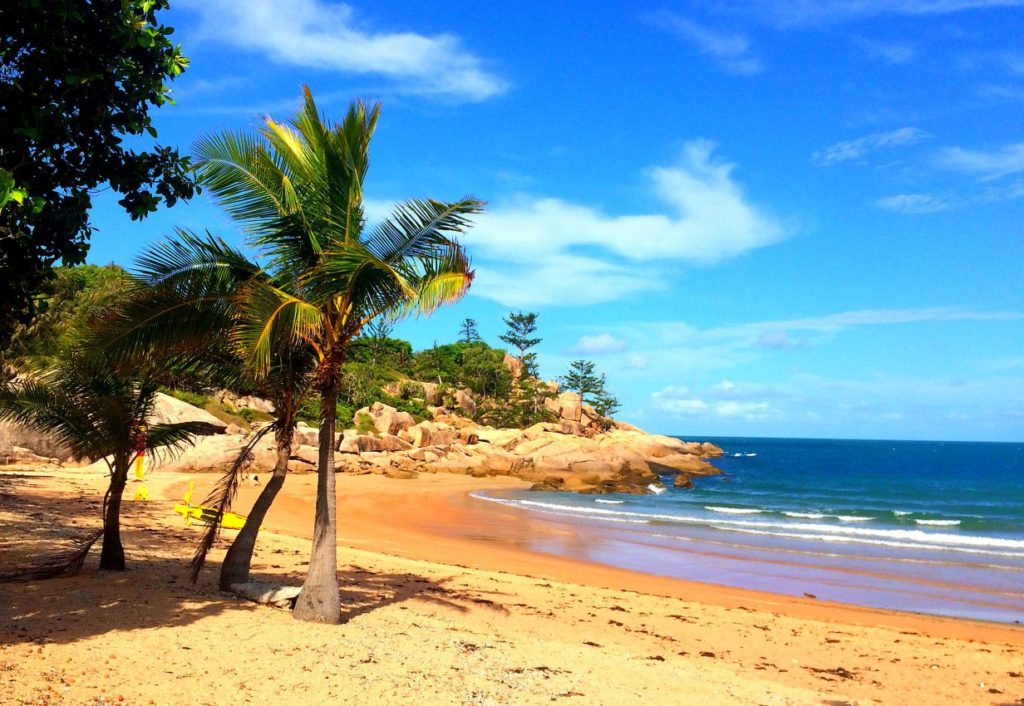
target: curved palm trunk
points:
(112, 553)
(319, 600)
(239, 557)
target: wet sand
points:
(443, 604)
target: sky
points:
(798, 218)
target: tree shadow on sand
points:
(155, 592)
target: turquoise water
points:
(932, 527)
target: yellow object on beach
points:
(228, 520)
(142, 493)
(140, 467)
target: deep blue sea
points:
(932, 527)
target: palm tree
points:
(297, 189)
(186, 298)
(94, 408)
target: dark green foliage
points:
(524, 407)
(68, 305)
(583, 378)
(392, 353)
(521, 328)
(76, 79)
(309, 412)
(468, 332)
(474, 365)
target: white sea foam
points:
(914, 538)
(938, 523)
(750, 454)
(737, 455)
(608, 502)
(853, 518)
(805, 515)
(733, 510)
(655, 489)
(902, 513)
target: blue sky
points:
(758, 218)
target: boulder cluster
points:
(579, 451)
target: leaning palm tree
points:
(297, 190)
(95, 409)
(184, 302)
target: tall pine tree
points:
(521, 328)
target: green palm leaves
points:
(297, 190)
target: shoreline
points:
(531, 629)
(432, 518)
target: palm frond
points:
(270, 319)
(66, 563)
(419, 227)
(243, 178)
(221, 497)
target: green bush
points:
(193, 398)
(364, 424)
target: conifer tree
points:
(468, 332)
(521, 328)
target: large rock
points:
(464, 399)
(363, 443)
(514, 366)
(305, 435)
(570, 406)
(170, 410)
(387, 419)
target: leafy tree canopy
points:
(68, 304)
(77, 78)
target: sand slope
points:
(425, 632)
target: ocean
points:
(929, 527)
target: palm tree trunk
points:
(319, 600)
(239, 557)
(112, 553)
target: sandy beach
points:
(442, 604)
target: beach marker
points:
(140, 451)
(142, 493)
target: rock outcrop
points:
(569, 455)
(170, 410)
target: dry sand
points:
(444, 604)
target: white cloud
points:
(912, 203)
(889, 52)
(598, 344)
(802, 12)
(534, 251)
(988, 165)
(680, 401)
(860, 147)
(317, 34)
(730, 51)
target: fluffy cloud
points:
(317, 34)
(730, 51)
(859, 148)
(598, 344)
(987, 164)
(533, 251)
(912, 203)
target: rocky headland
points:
(578, 451)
